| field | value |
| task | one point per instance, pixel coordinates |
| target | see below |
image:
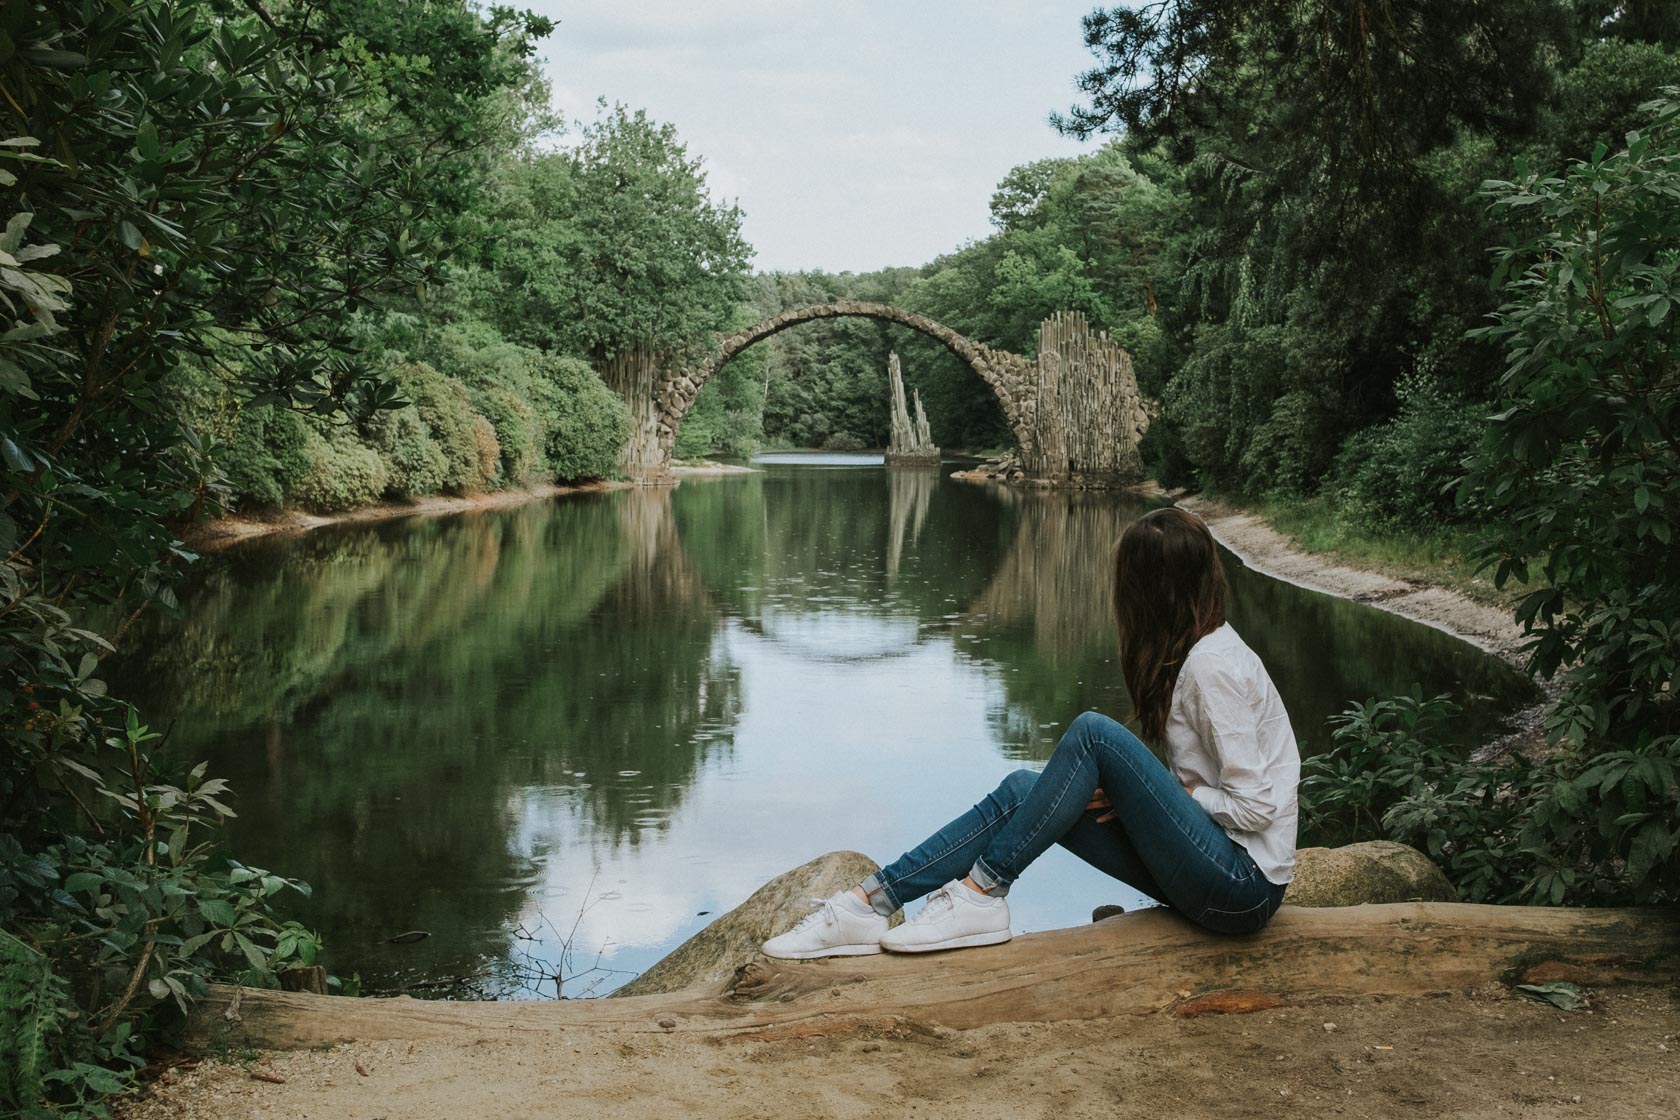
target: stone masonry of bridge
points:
(1075, 410)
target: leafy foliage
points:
(1569, 829)
(1383, 750)
(613, 244)
(110, 874)
(1581, 471)
(1402, 474)
(1328, 228)
(1580, 480)
(193, 156)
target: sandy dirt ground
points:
(1482, 1055)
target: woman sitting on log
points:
(1211, 833)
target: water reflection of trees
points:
(808, 542)
(1055, 578)
(1326, 653)
(385, 696)
(1046, 617)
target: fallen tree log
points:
(1133, 964)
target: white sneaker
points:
(955, 917)
(842, 926)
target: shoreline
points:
(1266, 549)
(1254, 541)
(235, 528)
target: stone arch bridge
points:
(1074, 410)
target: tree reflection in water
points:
(383, 696)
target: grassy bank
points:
(1441, 556)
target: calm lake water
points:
(602, 720)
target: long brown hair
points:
(1169, 593)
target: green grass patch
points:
(1439, 556)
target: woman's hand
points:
(1099, 802)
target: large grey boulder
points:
(1374, 871)
(712, 955)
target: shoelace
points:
(824, 910)
(938, 902)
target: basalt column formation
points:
(912, 441)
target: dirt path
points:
(1484, 1055)
(1266, 550)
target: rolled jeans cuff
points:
(879, 896)
(987, 880)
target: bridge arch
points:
(672, 393)
(1074, 409)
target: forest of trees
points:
(1292, 242)
(1416, 260)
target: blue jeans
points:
(1160, 842)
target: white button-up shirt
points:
(1228, 736)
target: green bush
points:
(30, 1001)
(553, 416)
(1289, 451)
(519, 436)
(487, 450)
(414, 464)
(1164, 457)
(1382, 749)
(587, 423)
(266, 458)
(843, 441)
(251, 469)
(342, 472)
(1225, 391)
(256, 454)
(449, 418)
(1580, 472)
(1603, 97)
(1568, 829)
(117, 903)
(286, 435)
(1402, 474)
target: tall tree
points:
(614, 244)
(1327, 156)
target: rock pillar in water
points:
(912, 441)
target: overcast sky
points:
(855, 134)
